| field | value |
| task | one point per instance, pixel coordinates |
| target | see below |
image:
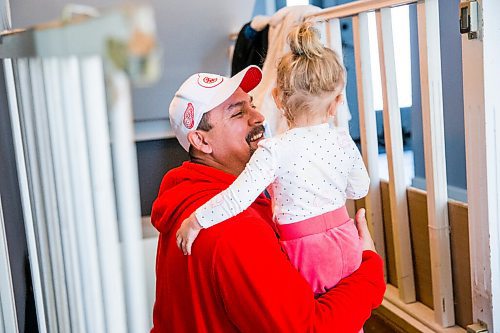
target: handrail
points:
(356, 7)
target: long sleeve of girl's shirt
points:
(258, 174)
(358, 181)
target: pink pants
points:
(324, 248)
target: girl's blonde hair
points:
(309, 76)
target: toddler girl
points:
(309, 170)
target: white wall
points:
(193, 35)
(149, 246)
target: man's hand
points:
(364, 233)
(187, 233)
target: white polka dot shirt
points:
(307, 170)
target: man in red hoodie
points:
(238, 279)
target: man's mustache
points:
(256, 130)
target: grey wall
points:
(155, 159)
(264, 7)
(416, 108)
(193, 36)
(451, 71)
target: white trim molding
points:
(491, 9)
(454, 192)
(149, 130)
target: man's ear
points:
(198, 140)
(276, 98)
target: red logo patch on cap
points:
(188, 119)
(207, 81)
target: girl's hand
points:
(187, 233)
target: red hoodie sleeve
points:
(263, 292)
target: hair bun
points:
(304, 40)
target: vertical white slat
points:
(23, 187)
(51, 221)
(8, 316)
(491, 64)
(33, 159)
(394, 147)
(3, 329)
(63, 191)
(22, 173)
(482, 141)
(96, 119)
(435, 161)
(368, 129)
(127, 195)
(334, 41)
(83, 200)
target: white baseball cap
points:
(203, 92)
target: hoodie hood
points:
(183, 190)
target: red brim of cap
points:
(252, 78)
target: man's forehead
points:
(238, 98)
